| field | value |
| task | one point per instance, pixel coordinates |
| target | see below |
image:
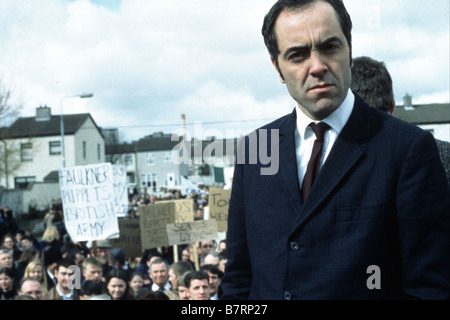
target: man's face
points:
(183, 293)
(199, 289)
(159, 274)
(314, 60)
(6, 260)
(214, 282)
(93, 273)
(103, 254)
(32, 288)
(62, 275)
(25, 243)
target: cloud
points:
(148, 62)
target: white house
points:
(33, 147)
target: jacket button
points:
(287, 296)
(294, 246)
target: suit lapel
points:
(344, 156)
(288, 172)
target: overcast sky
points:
(147, 61)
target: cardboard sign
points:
(87, 194)
(120, 190)
(218, 204)
(184, 210)
(130, 238)
(153, 219)
(190, 232)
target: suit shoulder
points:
(280, 122)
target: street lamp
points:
(82, 96)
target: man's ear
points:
(274, 63)
(392, 108)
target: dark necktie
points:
(314, 163)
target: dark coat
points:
(381, 199)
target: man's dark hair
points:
(268, 29)
(195, 275)
(91, 288)
(371, 80)
(213, 269)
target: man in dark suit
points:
(375, 223)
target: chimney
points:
(183, 126)
(407, 102)
(43, 114)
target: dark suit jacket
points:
(381, 199)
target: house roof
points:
(28, 127)
(155, 142)
(424, 114)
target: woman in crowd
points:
(7, 289)
(117, 285)
(35, 269)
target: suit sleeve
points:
(237, 279)
(423, 209)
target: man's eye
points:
(332, 47)
(297, 56)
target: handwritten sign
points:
(87, 194)
(190, 232)
(184, 209)
(130, 237)
(218, 203)
(120, 190)
(153, 219)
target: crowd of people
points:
(54, 267)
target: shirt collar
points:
(336, 120)
(166, 288)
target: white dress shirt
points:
(305, 137)
(166, 288)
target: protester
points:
(117, 285)
(176, 270)
(64, 289)
(136, 284)
(92, 269)
(215, 278)
(182, 290)
(90, 289)
(197, 283)
(9, 243)
(32, 287)
(7, 289)
(35, 269)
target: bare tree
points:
(8, 152)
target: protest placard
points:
(184, 209)
(153, 219)
(190, 232)
(218, 203)
(87, 194)
(120, 190)
(130, 237)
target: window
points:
(149, 180)
(131, 179)
(150, 159)
(84, 150)
(128, 160)
(23, 182)
(54, 147)
(167, 157)
(26, 152)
